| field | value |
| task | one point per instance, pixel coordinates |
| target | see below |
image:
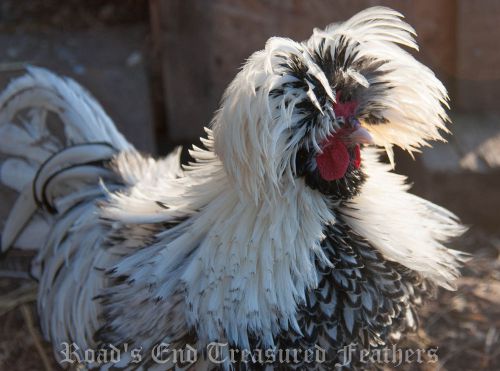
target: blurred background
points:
(159, 68)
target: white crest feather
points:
(415, 105)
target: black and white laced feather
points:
(245, 245)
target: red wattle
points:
(357, 157)
(334, 160)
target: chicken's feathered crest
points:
(412, 112)
(262, 120)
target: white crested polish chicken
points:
(286, 231)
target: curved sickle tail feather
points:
(63, 180)
(51, 172)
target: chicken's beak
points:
(360, 135)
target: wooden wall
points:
(203, 43)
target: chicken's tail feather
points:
(55, 140)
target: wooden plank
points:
(479, 56)
(186, 43)
(156, 76)
(205, 43)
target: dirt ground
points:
(465, 324)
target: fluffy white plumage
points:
(405, 228)
(141, 251)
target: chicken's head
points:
(304, 110)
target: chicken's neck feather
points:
(245, 266)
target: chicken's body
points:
(282, 233)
